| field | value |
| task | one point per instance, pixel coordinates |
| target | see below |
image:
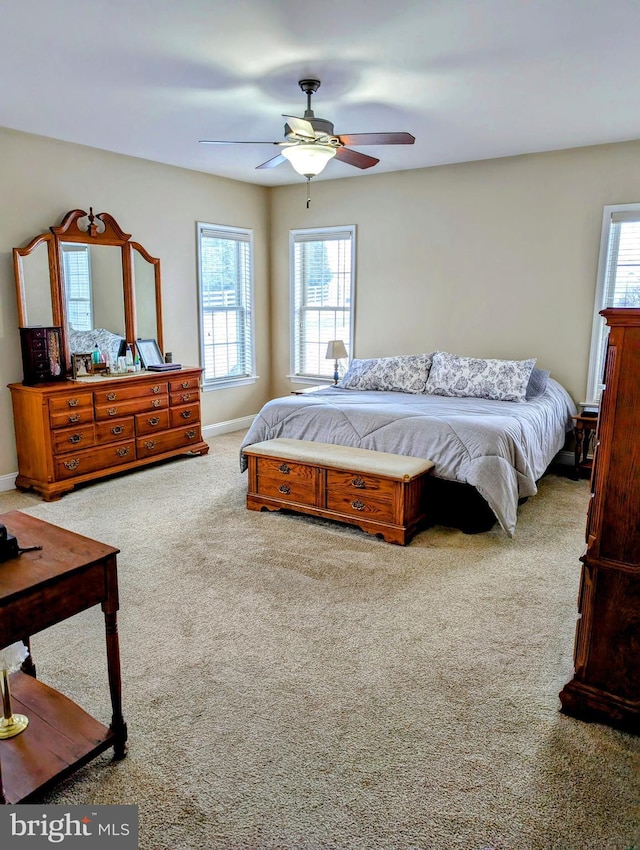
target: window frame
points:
(599, 329)
(69, 249)
(245, 235)
(296, 377)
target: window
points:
(618, 281)
(225, 261)
(76, 266)
(322, 283)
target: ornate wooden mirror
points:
(86, 276)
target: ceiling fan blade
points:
(377, 139)
(216, 142)
(301, 127)
(360, 160)
(271, 163)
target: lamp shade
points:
(309, 160)
(336, 350)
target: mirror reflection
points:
(145, 296)
(37, 287)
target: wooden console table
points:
(37, 590)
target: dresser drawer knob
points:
(72, 402)
(185, 414)
(123, 452)
(155, 420)
(72, 464)
(284, 469)
(283, 488)
(190, 434)
(184, 385)
(112, 396)
(186, 397)
(358, 505)
(156, 402)
(112, 411)
(117, 429)
(359, 483)
(155, 390)
(75, 438)
(150, 444)
(75, 417)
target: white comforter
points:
(501, 448)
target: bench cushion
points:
(342, 457)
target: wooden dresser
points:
(71, 432)
(606, 682)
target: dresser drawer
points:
(131, 406)
(72, 439)
(156, 444)
(114, 431)
(155, 420)
(125, 393)
(184, 397)
(177, 384)
(350, 484)
(184, 415)
(285, 470)
(362, 504)
(73, 416)
(93, 459)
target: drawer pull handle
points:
(72, 464)
(75, 417)
(112, 396)
(190, 434)
(185, 414)
(156, 402)
(359, 483)
(184, 385)
(283, 488)
(150, 444)
(186, 397)
(75, 438)
(284, 469)
(112, 411)
(72, 402)
(123, 451)
(358, 505)
(117, 429)
(155, 420)
(155, 390)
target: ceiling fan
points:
(310, 142)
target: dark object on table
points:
(41, 355)
(164, 367)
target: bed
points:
(497, 450)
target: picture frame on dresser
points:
(81, 365)
(149, 352)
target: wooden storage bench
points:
(381, 493)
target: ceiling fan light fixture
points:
(309, 160)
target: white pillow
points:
(501, 380)
(403, 374)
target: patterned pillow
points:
(537, 383)
(403, 374)
(502, 380)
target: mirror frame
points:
(101, 229)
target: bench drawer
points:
(285, 470)
(288, 489)
(362, 505)
(344, 483)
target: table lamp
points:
(10, 660)
(335, 351)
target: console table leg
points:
(118, 725)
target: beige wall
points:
(41, 180)
(492, 259)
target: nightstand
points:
(584, 431)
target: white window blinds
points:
(226, 294)
(322, 274)
(76, 267)
(618, 281)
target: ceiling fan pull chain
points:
(308, 192)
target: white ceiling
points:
(470, 79)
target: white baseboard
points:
(8, 482)
(226, 427)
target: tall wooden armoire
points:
(606, 682)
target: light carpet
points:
(294, 683)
